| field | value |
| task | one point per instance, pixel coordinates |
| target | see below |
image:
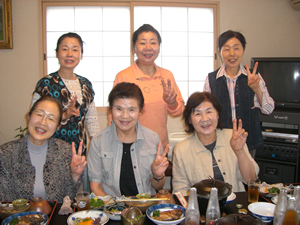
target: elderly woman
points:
(241, 92)
(211, 150)
(126, 158)
(38, 165)
(161, 99)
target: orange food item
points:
(86, 222)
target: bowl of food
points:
(166, 214)
(7, 209)
(114, 212)
(26, 218)
(143, 196)
(20, 204)
(262, 210)
(133, 215)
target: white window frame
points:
(131, 3)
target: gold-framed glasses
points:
(40, 114)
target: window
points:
(188, 32)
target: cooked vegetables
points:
(274, 190)
(156, 213)
(96, 203)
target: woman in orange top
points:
(161, 94)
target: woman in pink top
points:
(161, 94)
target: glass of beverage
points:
(83, 200)
(253, 187)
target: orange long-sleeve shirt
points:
(155, 112)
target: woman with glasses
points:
(38, 165)
(162, 96)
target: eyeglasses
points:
(50, 119)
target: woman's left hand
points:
(253, 78)
(78, 162)
(161, 162)
(169, 94)
(239, 136)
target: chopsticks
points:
(141, 199)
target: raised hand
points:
(161, 162)
(78, 162)
(253, 78)
(71, 111)
(239, 136)
(169, 94)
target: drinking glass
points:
(83, 200)
(253, 187)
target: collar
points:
(139, 75)
(222, 71)
(200, 147)
(139, 133)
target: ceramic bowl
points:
(262, 210)
(132, 216)
(19, 215)
(7, 209)
(114, 212)
(165, 207)
(230, 198)
(143, 195)
(20, 204)
(142, 205)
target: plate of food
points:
(270, 190)
(230, 198)
(87, 217)
(166, 214)
(97, 202)
(28, 217)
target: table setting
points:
(142, 209)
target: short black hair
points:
(126, 90)
(144, 28)
(70, 35)
(224, 37)
(196, 99)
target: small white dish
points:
(274, 199)
(165, 207)
(88, 213)
(117, 214)
(230, 198)
(262, 210)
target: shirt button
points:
(132, 150)
(134, 167)
(224, 173)
(237, 104)
(105, 155)
(219, 160)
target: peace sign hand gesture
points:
(161, 162)
(239, 136)
(78, 162)
(71, 110)
(169, 94)
(253, 78)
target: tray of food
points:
(270, 190)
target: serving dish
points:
(162, 208)
(132, 216)
(7, 209)
(19, 215)
(274, 199)
(107, 199)
(88, 213)
(263, 189)
(262, 210)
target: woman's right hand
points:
(169, 94)
(71, 110)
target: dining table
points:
(241, 198)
